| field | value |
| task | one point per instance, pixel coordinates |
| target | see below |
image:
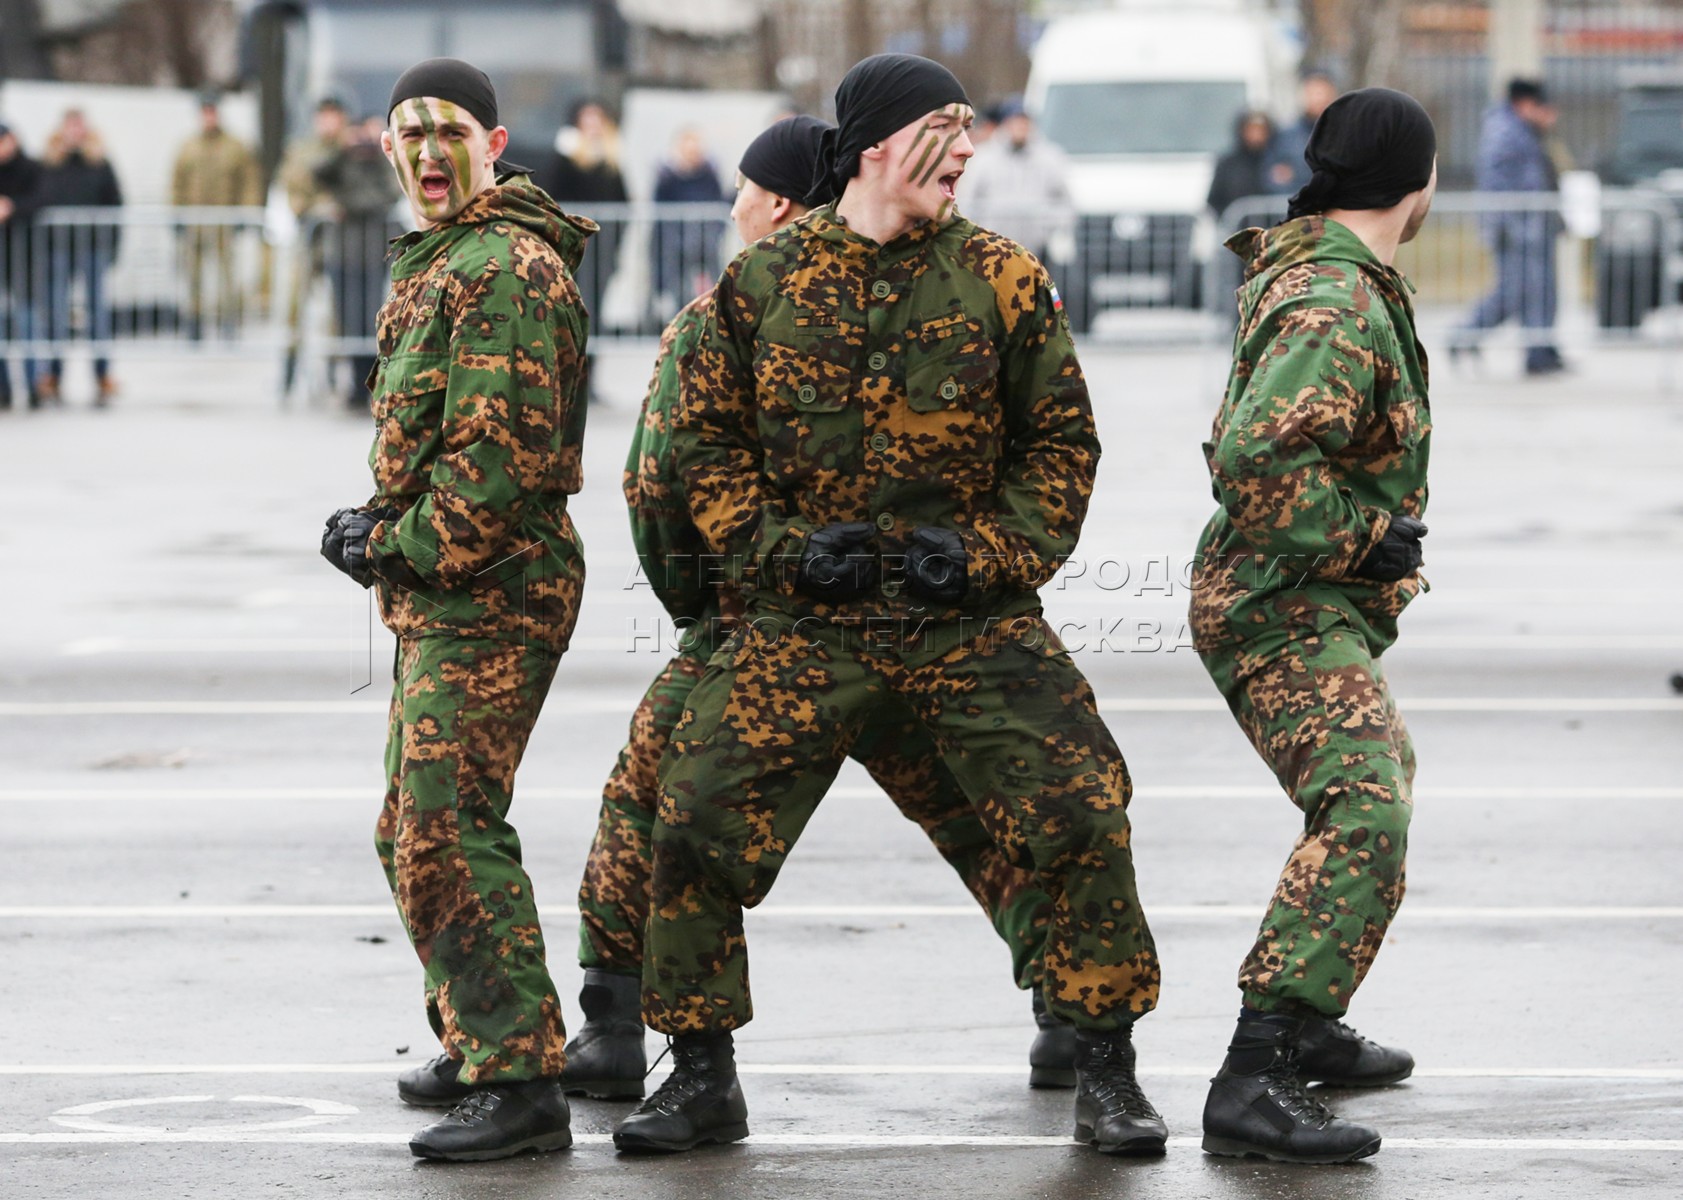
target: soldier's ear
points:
(386, 146)
(499, 142)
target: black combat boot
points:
(1257, 1107)
(499, 1121)
(1110, 1110)
(1330, 1052)
(700, 1101)
(1052, 1056)
(606, 1060)
(433, 1084)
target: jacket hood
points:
(1268, 253)
(519, 201)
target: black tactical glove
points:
(355, 528)
(1398, 554)
(937, 568)
(333, 539)
(836, 563)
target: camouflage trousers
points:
(892, 745)
(766, 730)
(462, 711)
(1316, 707)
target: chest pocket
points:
(951, 364)
(403, 381)
(409, 415)
(810, 421)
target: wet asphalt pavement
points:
(209, 993)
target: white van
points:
(1143, 99)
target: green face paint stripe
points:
(434, 152)
(941, 157)
(928, 147)
(916, 142)
(460, 159)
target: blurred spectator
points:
(1286, 169)
(1018, 185)
(583, 174)
(214, 169)
(1513, 156)
(313, 207)
(361, 192)
(1243, 170)
(987, 124)
(20, 181)
(686, 250)
(75, 173)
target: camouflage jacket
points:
(1323, 434)
(216, 169)
(479, 406)
(674, 558)
(930, 381)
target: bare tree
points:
(1376, 28)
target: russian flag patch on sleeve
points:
(1057, 300)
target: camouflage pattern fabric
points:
(931, 381)
(1323, 434)
(761, 740)
(479, 403)
(895, 748)
(928, 381)
(1317, 709)
(462, 711)
(897, 751)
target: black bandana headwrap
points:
(1370, 148)
(880, 96)
(783, 158)
(461, 84)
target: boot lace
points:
(1286, 1090)
(687, 1081)
(1114, 1085)
(476, 1108)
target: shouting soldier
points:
(885, 431)
(479, 406)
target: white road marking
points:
(1147, 793)
(1223, 912)
(851, 1141)
(799, 1070)
(597, 705)
(84, 1116)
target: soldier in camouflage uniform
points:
(479, 404)
(213, 169)
(1318, 461)
(885, 431)
(605, 1059)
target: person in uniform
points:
(605, 1059)
(214, 169)
(1318, 464)
(885, 433)
(479, 409)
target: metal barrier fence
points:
(206, 281)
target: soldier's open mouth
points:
(435, 185)
(949, 185)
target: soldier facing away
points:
(885, 431)
(1318, 462)
(479, 404)
(606, 1059)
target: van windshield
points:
(1160, 117)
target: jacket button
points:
(881, 288)
(878, 361)
(807, 394)
(949, 390)
(885, 521)
(879, 442)
(891, 588)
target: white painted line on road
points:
(1147, 793)
(582, 706)
(1247, 912)
(838, 1141)
(799, 1070)
(94, 647)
